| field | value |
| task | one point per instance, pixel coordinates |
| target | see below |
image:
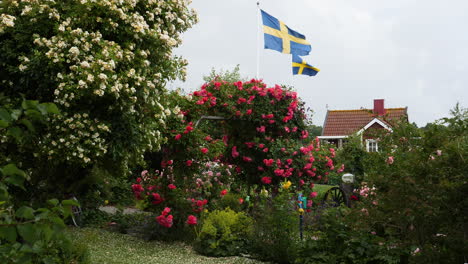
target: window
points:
(371, 145)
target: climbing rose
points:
(224, 192)
(266, 180)
(234, 152)
(166, 211)
(171, 186)
(157, 198)
(247, 159)
(189, 163)
(191, 220)
(165, 221)
(204, 150)
(178, 136)
(390, 160)
(313, 194)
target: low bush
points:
(333, 239)
(224, 233)
(276, 234)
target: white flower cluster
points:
(6, 21)
(115, 54)
(78, 137)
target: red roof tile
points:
(347, 122)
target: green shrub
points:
(332, 239)
(224, 233)
(419, 196)
(29, 234)
(276, 234)
(230, 200)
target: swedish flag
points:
(283, 39)
(300, 66)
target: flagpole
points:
(258, 38)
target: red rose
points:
(204, 150)
(189, 163)
(178, 136)
(224, 192)
(247, 159)
(234, 152)
(241, 201)
(171, 186)
(165, 221)
(266, 180)
(157, 199)
(191, 220)
(166, 211)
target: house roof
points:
(347, 122)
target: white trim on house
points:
(331, 137)
(368, 145)
(375, 120)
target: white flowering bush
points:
(104, 63)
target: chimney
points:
(379, 108)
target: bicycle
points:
(77, 213)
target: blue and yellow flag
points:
(283, 39)
(300, 66)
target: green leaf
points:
(29, 104)
(33, 114)
(8, 233)
(5, 115)
(4, 124)
(48, 108)
(70, 202)
(11, 169)
(57, 220)
(15, 114)
(47, 232)
(3, 192)
(16, 132)
(15, 180)
(14, 175)
(53, 202)
(27, 232)
(42, 108)
(28, 124)
(25, 212)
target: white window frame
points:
(368, 145)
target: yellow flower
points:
(206, 210)
(106, 202)
(301, 211)
(286, 185)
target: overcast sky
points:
(412, 53)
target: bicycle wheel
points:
(76, 214)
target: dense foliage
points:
(28, 234)
(105, 64)
(416, 188)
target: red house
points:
(340, 124)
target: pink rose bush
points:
(263, 141)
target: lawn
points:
(109, 247)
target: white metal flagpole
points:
(258, 38)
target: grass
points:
(108, 247)
(321, 189)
